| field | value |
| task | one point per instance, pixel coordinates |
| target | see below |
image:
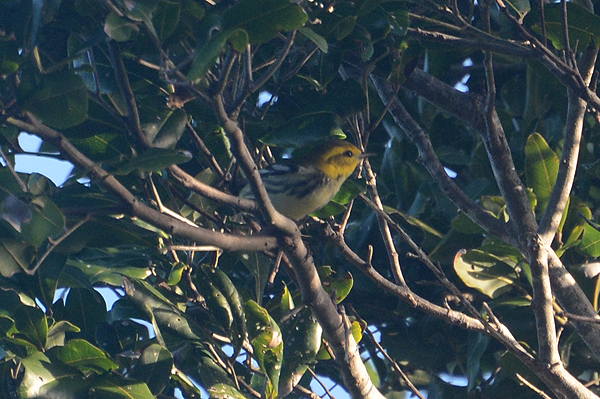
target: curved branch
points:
(135, 206)
(429, 159)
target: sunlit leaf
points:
(484, 272)
(44, 378)
(302, 341)
(541, 169)
(267, 341)
(82, 355)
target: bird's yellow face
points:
(339, 160)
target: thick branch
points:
(335, 328)
(564, 286)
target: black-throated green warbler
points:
(308, 181)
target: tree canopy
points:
(459, 261)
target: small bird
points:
(310, 179)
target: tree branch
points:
(345, 349)
(570, 154)
(135, 206)
(428, 158)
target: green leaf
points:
(541, 169)
(522, 7)
(584, 26)
(113, 386)
(302, 129)
(485, 272)
(155, 159)
(317, 39)
(86, 309)
(9, 56)
(15, 255)
(46, 222)
(32, 323)
(118, 28)
(168, 130)
(166, 18)
(225, 286)
(301, 344)
(224, 391)
(413, 221)
(590, 243)
(168, 316)
(210, 44)
(341, 285)
(109, 274)
(154, 368)
(264, 19)
(80, 354)
(48, 275)
(59, 99)
(57, 333)
(215, 301)
(265, 337)
(259, 265)
(47, 379)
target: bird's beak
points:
(366, 155)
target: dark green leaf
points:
(83, 356)
(155, 159)
(57, 333)
(113, 386)
(166, 18)
(584, 26)
(154, 368)
(60, 99)
(167, 132)
(590, 243)
(264, 19)
(118, 28)
(46, 379)
(223, 391)
(168, 316)
(303, 129)
(48, 275)
(15, 255)
(86, 309)
(315, 38)
(32, 323)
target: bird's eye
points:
(349, 154)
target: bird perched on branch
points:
(310, 179)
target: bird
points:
(310, 179)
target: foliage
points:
(146, 99)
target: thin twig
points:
(12, 170)
(54, 243)
(394, 364)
